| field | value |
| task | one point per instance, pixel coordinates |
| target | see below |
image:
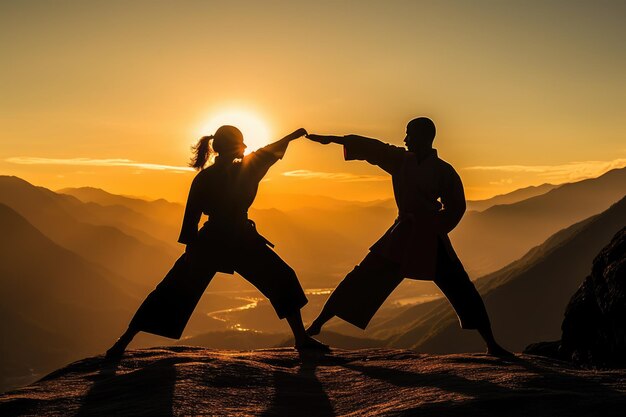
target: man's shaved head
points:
(420, 134)
(421, 129)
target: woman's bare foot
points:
(117, 350)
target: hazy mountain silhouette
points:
(144, 229)
(526, 299)
(319, 253)
(510, 198)
(350, 222)
(310, 228)
(28, 350)
(320, 237)
(55, 305)
(65, 220)
(159, 218)
(489, 240)
(293, 201)
(301, 241)
(159, 209)
(485, 241)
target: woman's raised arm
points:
(279, 147)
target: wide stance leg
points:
(361, 293)
(456, 285)
(119, 347)
(264, 269)
(167, 309)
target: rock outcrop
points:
(594, 328)
(183, 380)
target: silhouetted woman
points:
(228, 242)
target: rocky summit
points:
(185, 380)
(594, 329)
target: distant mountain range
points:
(314, 249)
(159, 218)
(486, 241)
(307, 229)
(55, 305)
(97, 233)
(491, 239)
(509, 198)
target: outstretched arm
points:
(259, 162)
(341, 140)
(374, 151)
(279, 147)
(326, 139)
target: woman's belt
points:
(235, 227)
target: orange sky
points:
(112, 94)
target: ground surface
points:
(184, 380)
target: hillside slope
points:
(68, 222)
(509, 198)
(489, 240)
(54, 305)
(160, 218)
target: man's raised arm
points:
(374, 151)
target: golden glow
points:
(256, 134)
(120, 110)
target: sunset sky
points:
(112, 94)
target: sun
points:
(255, 131)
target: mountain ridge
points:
(55, 305)
(510, 197)
(489, 240)
(62, 219)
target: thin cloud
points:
(503, 181)
(564, 172)
(112, 162)
(334, 176)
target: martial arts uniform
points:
(431, 202)
(228, 242)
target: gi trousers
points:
(167, 309)
(361, 293)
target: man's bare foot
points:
(312, 344)
(499, 351)
(117, 350)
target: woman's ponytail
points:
(201, 151)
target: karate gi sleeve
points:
(193, 212)
(387, 157)
(453, 200)
(259, 162)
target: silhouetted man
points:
(431, 202)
